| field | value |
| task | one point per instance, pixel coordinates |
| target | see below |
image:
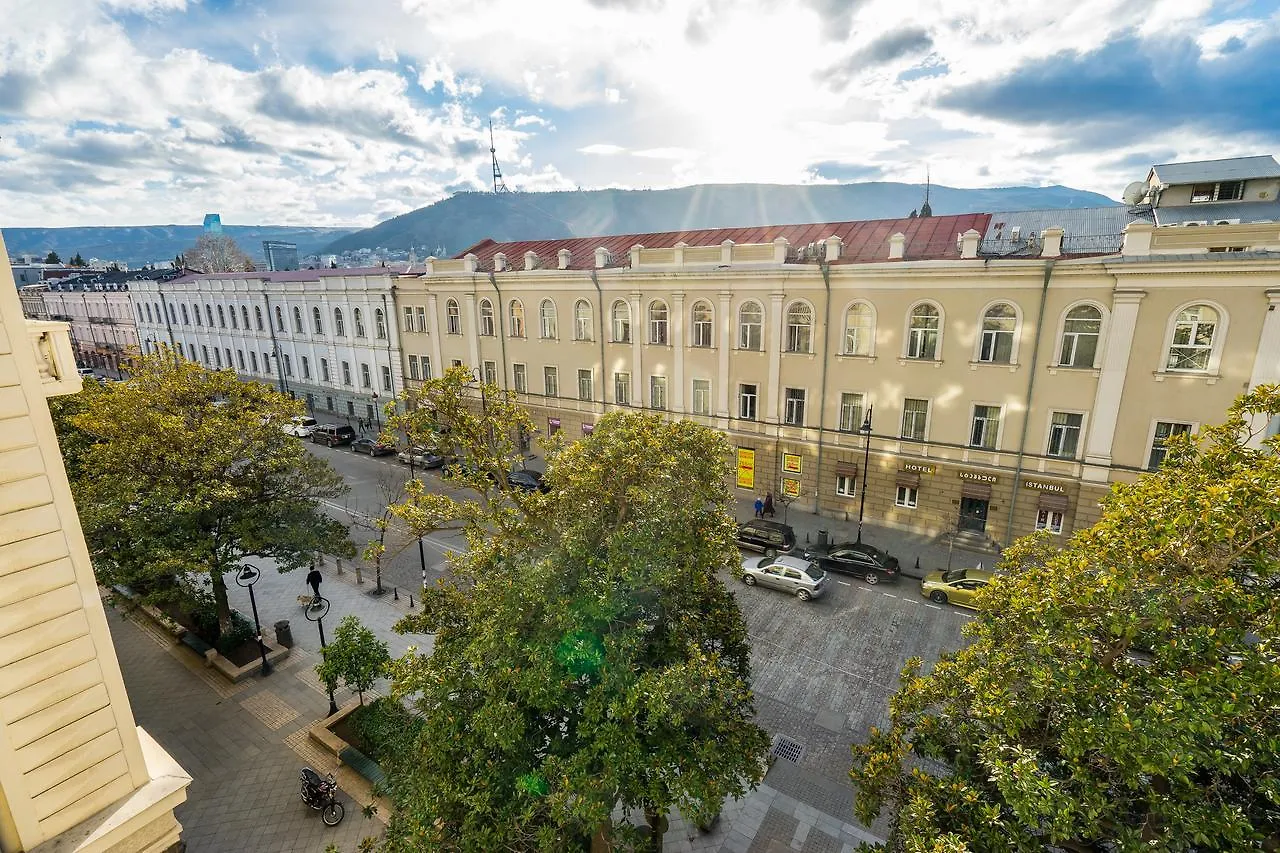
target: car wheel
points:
(749, 580)
(872, 578)
(373, 451)
(771, 552)
(938, 597)
(803, 594)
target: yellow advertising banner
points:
(790, 487)
(791, 463)
(746, 468)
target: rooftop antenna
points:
(925, 209)
(499, 186)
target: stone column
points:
(726, 347)
(435, 329)
(1106, 402)
(1266, 361)
(774, 344)
(471, 328)
(638, 331)
(677, 342)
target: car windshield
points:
(953, 575)
(813, 571)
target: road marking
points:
(891, 595)
(910, 601)
(934, 606)
(844, 583)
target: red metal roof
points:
(867, 241)
(297, 275)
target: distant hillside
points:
(466, 218)
(140, 244)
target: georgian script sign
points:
(979, 477)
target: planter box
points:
(322, 733)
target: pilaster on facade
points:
(434, 331)
(726, 346)
(1266, 364)
(1110, 388)
(638, 329)
(472, 328)
(677, 342)
(773, 341)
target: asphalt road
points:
(823, 671)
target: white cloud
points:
(603, 148)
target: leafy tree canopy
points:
(1120, 694)
(356, 657)
(52, 258)
(586, 653)
(184, 469)
(217, 253)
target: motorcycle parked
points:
(321, 794)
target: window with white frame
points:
(520, 378)
(657, 392)
(339, 325)
(379, 324)
(297, 320)
(408, 318)
(346, 373)
(793, 406)
(922, 332)
(1080, 331)
(279, 319)
(851, 408)
(915, 418)
(1192, 345)
(486, 318)
(1220, 191)
(324, 369)
(253, 359)
(1050, 520)
(702, 396)
(586, 385)
(582, 321)
(748, 401)
(306, 367)
(658, 322)
(317, 322)
(622, 389)
(547, 324)
(998, 326)
(386, 376)
(799, 327)
(1165, 430)
(621, 313)
(986, 427)
(908, 497)
(490, 372)
(1064, 434)
(420, 319)
(414, 370)
(751, 327)
(453, 317)
(424, 362)
(859, 329)
(257, 317)
(516, 310)
(240, 358)
(846, 485)
(288, 364)
(703, 320)
(357, 319)
(366, 379)
(550, 382)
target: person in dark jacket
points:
(314, 577)
(768, 504)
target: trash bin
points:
(284, 636)
(823, 538)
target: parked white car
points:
(301, 426)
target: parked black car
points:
(528, 480)
(333, 435)
(860, 560)
(372, 446)
(767, 537)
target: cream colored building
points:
(1016, 368)
(76, 773)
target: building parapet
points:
(1144, 238)
(55, 358)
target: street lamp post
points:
(315, 612)
(377, 417)
(866, 464)
(247, 577)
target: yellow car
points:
(957, 586)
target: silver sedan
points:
(795, 575)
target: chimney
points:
(469, 262)
(897, 246)
(678, 251)
(602, 257)
(780, 249)
(726, 252)
(530, 260)
(499, 262)
(1051, 242)
(430, 264)
(1137, 238)
(833, 244)
(969, 241)
(564, 256)
(635, 255)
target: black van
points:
(767, 537)
(333, 435)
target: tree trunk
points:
(657, 828)
(220, 599)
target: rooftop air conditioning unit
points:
(1015, 234)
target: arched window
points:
(186, 318)
(583, 324)
(235, 323)
(1080, 331)
(208, 313)
(244, 314)
(339, 325)
(317, 322)
(1193, 335)
(279, 319)
(547, 319)
(149, 320)
(751, 326)
(486, 318)
(621, 322)
(222, 319)
(859, 329)
(358, 319)
(923, 331)
(998, 326)
(453, 317)
(703, 322)
(380, 324)
(516, 309)
(141, 317)
(799, 327)
(658, 322)
(257, 316)
(297, 319)
(195, 311)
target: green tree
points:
(356, 657)
(78, 261)
(184, 469)
(586, 654)
(52, 258)
(1118, 695)
(217, 253)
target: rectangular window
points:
(986, 427)
(408, 318)
(328, 404)
(851, 412)
(520, 378)
(1064, 434)
(622, 389)
(657, 392)
(1165, 430)
(491, 373)
(457, 362)
(793, 411)
(1222, 191)
(204, 353)
(351, 409)
(1047, 519)
(346, 373)
(915, 417)
(288, 365)
(702, 396)
(550, 382)
(365, 378)
(907, 497)
(306, 368)
(425, 361)
(846, 486)
(386, 376)
(217, 357)
(253, 359)
(228, 352)
(748, 395)
(586, 389)
(413, 367)
(324, 373)
(421, 313)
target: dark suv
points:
(767, 537)
(860, 560)
(333, 435)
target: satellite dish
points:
(1135, 192)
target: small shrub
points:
(356, 657)
(386, 728)
(241, 631)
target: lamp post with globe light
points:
(315, 612)
(247, 577)
(866, 463)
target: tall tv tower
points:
(499, 186)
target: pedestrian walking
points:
(759, 507)
(767, 509)
(314, 577)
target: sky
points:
(341, 113)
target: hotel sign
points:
(918, 468)
(1042, 486)
(979, 477)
